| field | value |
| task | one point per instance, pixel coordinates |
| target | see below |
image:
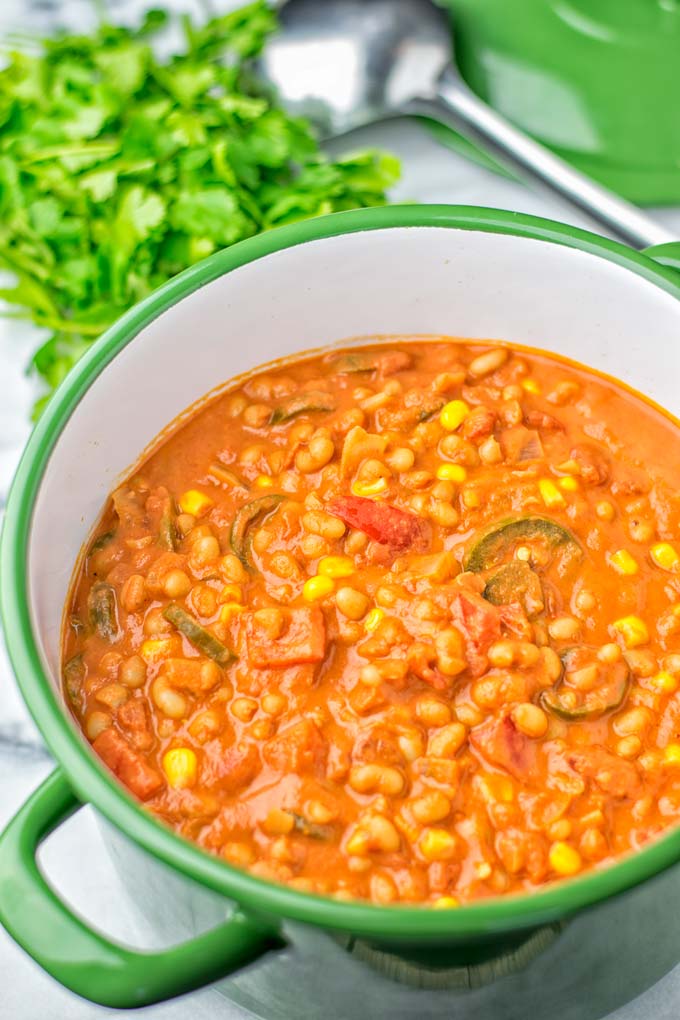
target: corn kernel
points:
(437, 844)
(368, 489)
(564, 859)
(671, 754)
(156, 648)
(180, 766)
(230, 610)
(316, 588)
(633, 630)
(550, 494)
(194, 502)
(357, 844)
(446, 903)
(664, 682)
(530, 386)
(231, 593)
(623, 562)
(336, 566)
(568, 483)
(453, 414)
(665, 556)
(451, 473)
(372, 621)
(264, 482)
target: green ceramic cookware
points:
(411, 270)
(598, 81)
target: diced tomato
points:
(230, 768)
(613, 775)
(479, 423)
(479, 623)
(298, 748)
(303, 640)
(541, 420)
(501, 743)
(386, 524)
(393, 361)
(592, 463)
(130, 767)
(133, 716)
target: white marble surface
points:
(73, 857)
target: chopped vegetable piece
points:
(360, 445)
(497, 541)
(302, 403)
(604, 693)
(351, 363)
(246, 516)
(198, 635)
(429, 407)
(225, 476)
(516, 582)
(101, 541)
(480, 624)
(74, 675)
(302, 640)
(311, 828)
(102, 609)
(129, 765)
(386, 524)
(387, 362)
(503, 744)
(167, 529)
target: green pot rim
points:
(89, 778)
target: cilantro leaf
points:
(120, 168)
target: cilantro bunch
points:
(118, 169)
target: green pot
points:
(598, 81)
(413, 270)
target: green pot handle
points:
(665, 254)
(82, 959)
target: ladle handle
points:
(456, 105)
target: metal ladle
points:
(348, 63)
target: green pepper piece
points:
(311, 828)
(74, 675)
(496, 541)
(101, 541)
(167, 529)
(247, 515)
(429, 408)
(103, 611)
(302, 403)
(516, 582)
(198, 635)
(607, 696)
(354, 362)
